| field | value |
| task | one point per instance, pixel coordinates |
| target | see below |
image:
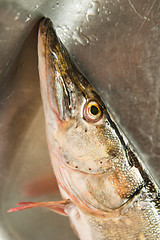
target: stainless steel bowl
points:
(116, 45)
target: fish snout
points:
(53, 71)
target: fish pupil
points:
(94, 110)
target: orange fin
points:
(57, 206)
(45, 184)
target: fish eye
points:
(92, 111)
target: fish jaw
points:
(47, 72)
(43, 74)
(58, 75)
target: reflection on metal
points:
(116, 45)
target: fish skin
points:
(108, 192)
(114, 199)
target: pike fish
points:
(107, 191)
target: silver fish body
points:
(111, 193)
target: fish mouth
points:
(55, 70)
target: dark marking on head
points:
(133, 161)
(113, 125)
(86, 130)
(113, 152)
(77, 125)
(132, 158)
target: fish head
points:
(80, 131)
(76, 115)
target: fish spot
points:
(90, 169)
(112, 152)
(67, 162)
(77, 125)
(76, 166)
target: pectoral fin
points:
(58, 206)
(45, 184)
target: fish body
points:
(108, 192)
